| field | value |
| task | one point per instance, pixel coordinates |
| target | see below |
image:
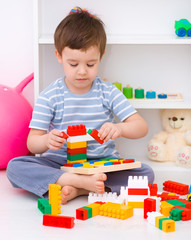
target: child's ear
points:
(59, 58)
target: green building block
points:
(76, 157)
(89, 211)
(160, 222)
(176, 214)
(175, 203)
(44, 206)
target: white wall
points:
(16, 44)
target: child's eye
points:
(90, 65)
(74, 65)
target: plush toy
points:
(15, 115)
(174, 142)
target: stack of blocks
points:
(76, 144)
(136, 191)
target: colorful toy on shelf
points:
(173, 143)
(183, 28)
(140, 96)
(128, 92)
(118, 85)
(15, 117)
(139, 93)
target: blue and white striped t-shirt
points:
(59, 108)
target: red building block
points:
(166, 196)
(64, 135)
(149, 206)
(153, 189)
(76, 130)
(76, 151)
(58, 221)
(188, 203)
(94, 134)
(81, 213)
(175, 187)
(137, 191)
(128, 161)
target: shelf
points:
(157, 104)
(132, 39)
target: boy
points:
(78, 98)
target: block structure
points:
(136, 191)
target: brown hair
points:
(80, 30)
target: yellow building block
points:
(77, 145)
(87, 165)
(136, 204)
(116, 210)
(100, 163)
(95, 208)
(55, 198)
(165, 208)
(79, 161)
(168, 225)
(157, 220)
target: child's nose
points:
(82, 70)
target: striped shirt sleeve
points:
(119, 104)
(42, 114)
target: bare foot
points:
(92, 183)
(68, 193)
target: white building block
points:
(106, 197)
(151, 217)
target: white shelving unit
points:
(142, 51)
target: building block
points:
(137, 191)
(81, 213)
(167, 196)
(94, 134)
(44, 206)
(76, 145)
(188, 203)
(58, 221)
(185, 213)
(149, 206)
(153, 189)
(76, 151)
(76, 130)
(165, 208)
(176, 214)
(89, 211)
(116, 210)
(64, 135)
(95, 208)
(176, 202)
(55, 198)
(105, 197)
(179, 188)
(152, 218)
(168, 225)
(76, 157)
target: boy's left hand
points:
(109, 131)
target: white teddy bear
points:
(174, 143)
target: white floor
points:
(21, 219)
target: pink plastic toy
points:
(15, 116)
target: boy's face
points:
(80, 68)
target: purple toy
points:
(15, 116)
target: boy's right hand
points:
(55, 139)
